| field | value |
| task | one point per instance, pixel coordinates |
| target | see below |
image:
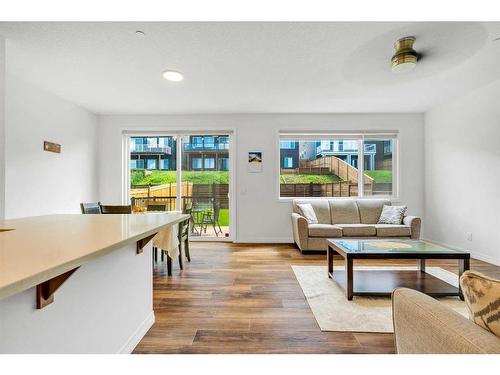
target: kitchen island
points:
(77, 283)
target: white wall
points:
(40, 182)
(462, 173)
(260, 216)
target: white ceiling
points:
(251, 67)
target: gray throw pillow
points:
(392, 215)
(308, 212)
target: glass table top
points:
(391, 246)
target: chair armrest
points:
(300, 229)
(423, 325)
(415, 223)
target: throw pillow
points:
(308, 212)
(392, 214)
(482, 297)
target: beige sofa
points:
(347, 218)
(423, 325)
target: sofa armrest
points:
(423, 325)
(300, 230)
(414, 222)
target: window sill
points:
(290, 199)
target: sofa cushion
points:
(320, 206)
(370, 209)
(392, 215)
(357, 230)
(344, 211)
(482, 297)
(391, 230)
(308, 212)
(324, 230)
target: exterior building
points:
(206, 153)
(347, 150)
(153, 153)
(289, 154)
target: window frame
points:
(342, 135)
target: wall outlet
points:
(469, 236)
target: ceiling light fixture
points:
(140, 33)
(405, 58)
(173, 76)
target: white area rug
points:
(334, 312)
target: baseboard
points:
(138, 334)
(265, 240)
(474, 254)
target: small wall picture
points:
(255, 161)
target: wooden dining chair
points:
(183, 237)
(116, 209)
(91, 208)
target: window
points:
(209, 142)
(164, 164)
(152, 142)
(378, 167)
(196, 162)
(287, 145)
(151, 164)
(223, 164)
(133, 164)
(197, 142)
(337, 165)
(209, 163)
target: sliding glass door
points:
(205, 177)
(188, 172)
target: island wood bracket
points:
(141, 243)
(45, 291)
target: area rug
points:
(334, 312)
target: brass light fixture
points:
(405, 58)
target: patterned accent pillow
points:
(308, 212)
(392, 214)
(482, 297)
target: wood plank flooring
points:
(235, 298)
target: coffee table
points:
(378, 282)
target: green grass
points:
(380, 176)
(224, 217)
(139, 177)
(308, 178)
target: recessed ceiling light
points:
(140, 33)
(173, 76)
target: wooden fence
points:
(331, 189)
(334, 165)
(141, 195)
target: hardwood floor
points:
(235, 298)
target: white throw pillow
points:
(308, 212)
(392, 215)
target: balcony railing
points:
(201, 147)
(369, 149)
(147, 148)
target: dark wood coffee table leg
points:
(329, 255)
(348, 278)
(422, 265)
(463, 265)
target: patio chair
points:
(212, 218)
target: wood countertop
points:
(36, 249)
